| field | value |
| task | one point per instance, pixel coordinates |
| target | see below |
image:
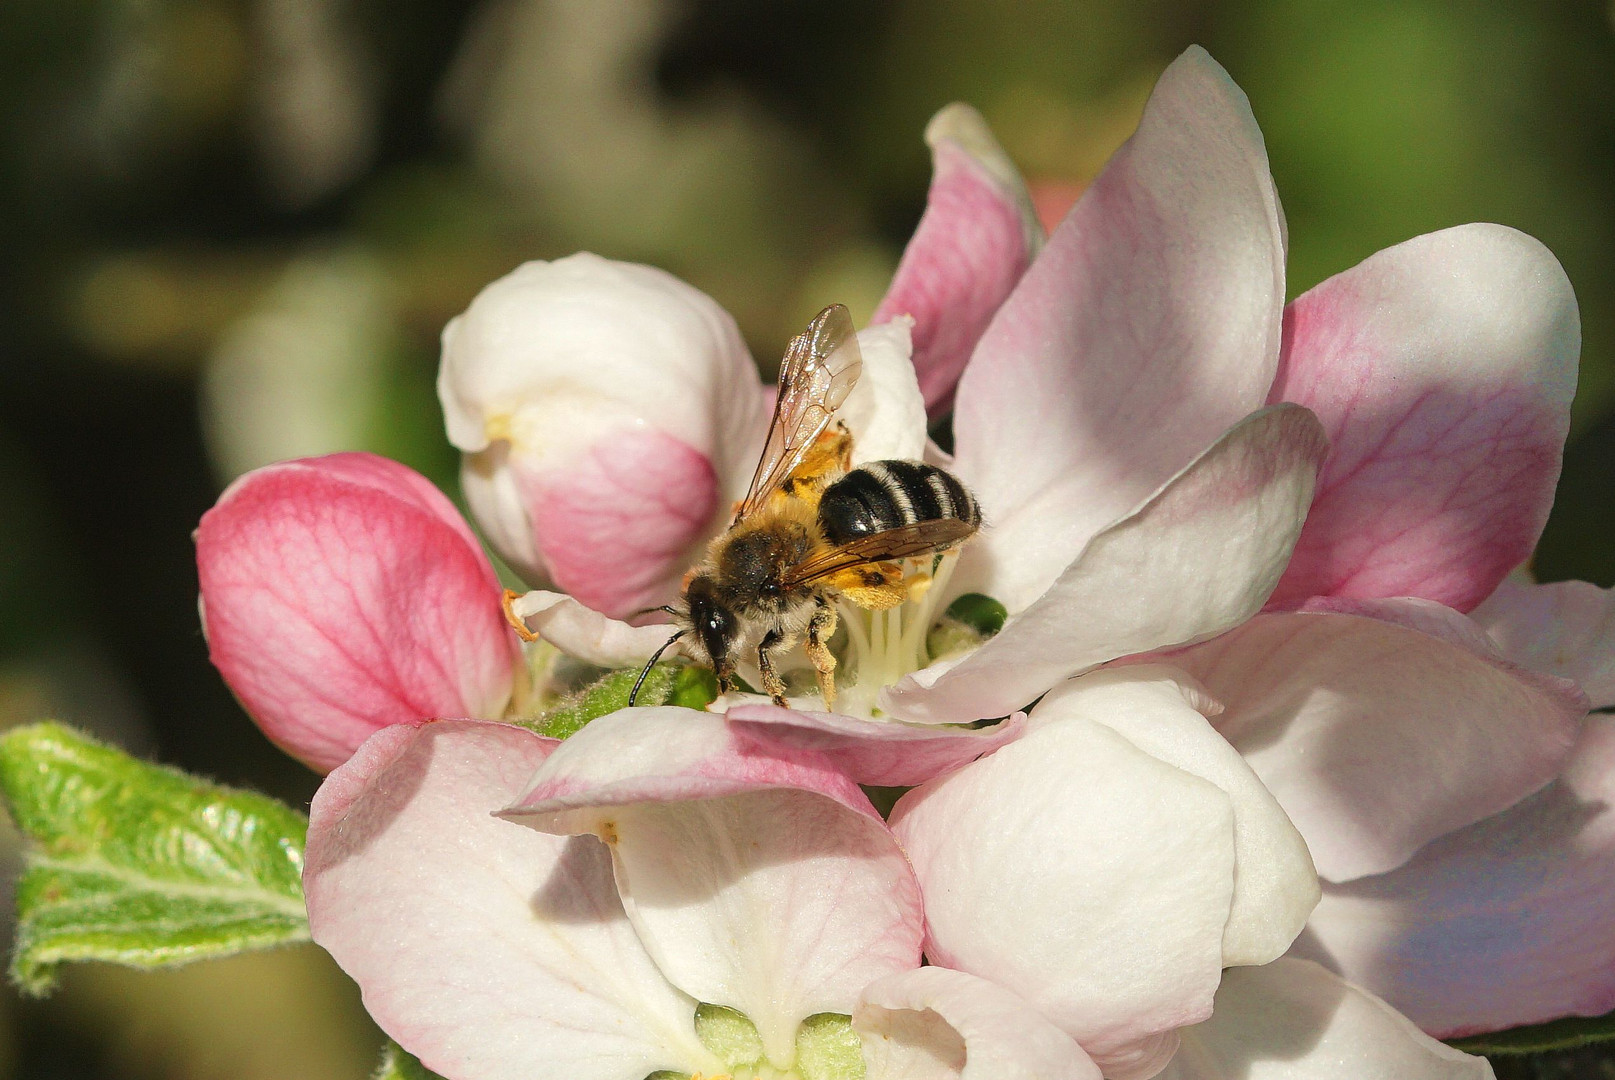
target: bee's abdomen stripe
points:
(889, 495)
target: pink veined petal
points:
(1200, 556)
(621, 522)
(1377, 738)
(975, 240)
(1092, 877)
(1566, 629)
(1148, 325)
(1292, 1020)
(890, 754)
(343, 594)
(1443, 370)
(760, 879)
(489, 951)
(1507, 922)
(584, 634)
(934, 1023)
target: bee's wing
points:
(821, 366)
(918, 539)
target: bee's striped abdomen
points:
(886, 495)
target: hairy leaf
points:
(665, 684)
(142, 865)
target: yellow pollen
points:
(608, 833)
(497, 427)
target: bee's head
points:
(714, 624)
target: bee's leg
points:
(765, 664)
(819, 632)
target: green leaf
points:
(142, 865)
(666, 684)
(399, 1064)
(1566, 1034)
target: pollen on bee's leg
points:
(517, 623)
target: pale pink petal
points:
(887, 754)
(1148, 325)
(583, 388)
(583, 633)
(1275, 886)
(1292, 1020)
(1198, 557)
(1092, 877)
(759, 879)
(623, 521)
(1507, 922)
(490, 951)
(975, 240)
(1377, 738)
(343, 594)
(934, 1023)
(1443, 370)
(1565, 629)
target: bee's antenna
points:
(655, 656)
(669, 608)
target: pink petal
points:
(1443, 370)
(1148, 325)
(761, 880)
(1565, 629)
(1507, 922)
(971, 247)
(1092, 877)
(490, 951)
(585, 634)
(1376, 738)
(620, 525)
(1292, 1020)
(1198, 557)
(343, 594)
(889, 754)
(934, 1023)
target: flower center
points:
(884, 646)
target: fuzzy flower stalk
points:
(1256, 743)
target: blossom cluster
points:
(1271, 769)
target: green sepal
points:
(666, 684)
(399, 1064)
(827, 1048)
(1565, 1034)
(142, 865)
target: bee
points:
(812, 528)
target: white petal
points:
(1092, 877)
(934, 1023)
(1200, 556)
(1292, 1020)
(1275, 886)
(759, 878)
(885, 411)
(585, 634)
(490, 951)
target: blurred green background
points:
(233, 229)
